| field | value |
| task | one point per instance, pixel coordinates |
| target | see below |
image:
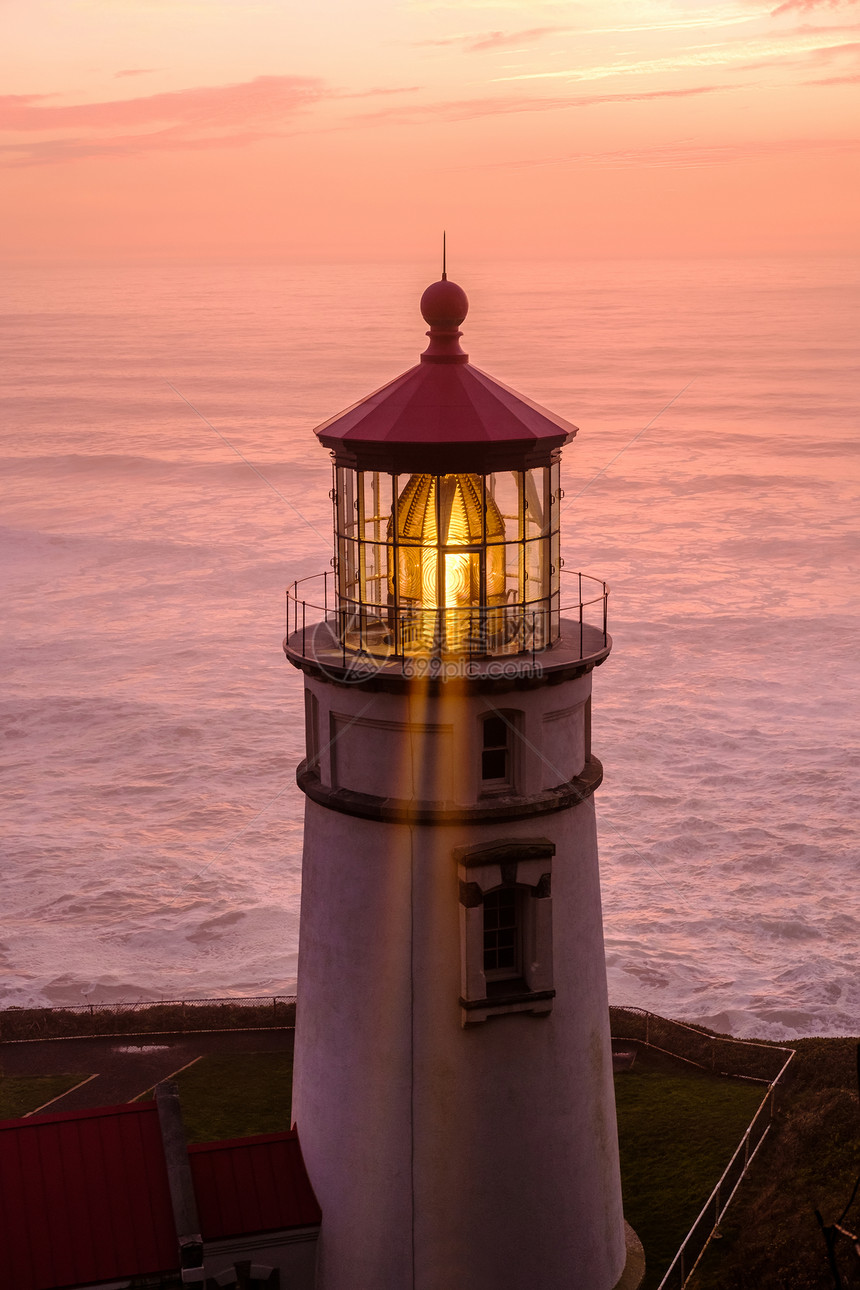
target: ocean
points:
(161, 486)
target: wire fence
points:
(149, 1017)
(741, 1058)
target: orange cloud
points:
(221, 116)
(494, 39)
(263, 98)
(792, 6)
(49, 151)
(805, 58)
(134, 71)
(468, 109)
(686, 154)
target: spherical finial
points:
(444, 304)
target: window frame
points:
(491, 786)
(312, 730)
(496, 976)
(525, 866)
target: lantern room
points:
(446, 507)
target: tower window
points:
(502, 934)
(505, 928)
(496, 753)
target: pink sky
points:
(359, 128)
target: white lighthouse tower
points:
(453, 1078)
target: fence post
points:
(647, 1029)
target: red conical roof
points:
(444, 415)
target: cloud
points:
(480, 42)
(501, 105)
(810, 41)
(793, 6)
(701, 19)
(851, 78)
(44, 152)
(505, 39)
(135, 71)
(264, 98)
(686, 154)
(200, 118)
(806, 58)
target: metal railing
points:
(741, 1058)
(388, 633)
(148, 1016)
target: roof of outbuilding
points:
(84, 1198)
(252, 1185)
(84, 1195)
(444, 415)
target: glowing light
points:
(434, 514)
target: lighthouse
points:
(453, 1073)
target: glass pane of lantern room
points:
(555, 562)
(514, 571)
(555, 492)
(537, 554)
(537, 562)
(375, 505)
(348, 570)
(504, 498)
(346, 508)
(536, 502)
(375, 575)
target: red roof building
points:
(84, 1197)
(98, 1197)
(252, 1185)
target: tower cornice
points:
(392, 810)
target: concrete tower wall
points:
(400, 1085)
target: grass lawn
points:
(26, 1093)
(236, 1096)
(677, 1128)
